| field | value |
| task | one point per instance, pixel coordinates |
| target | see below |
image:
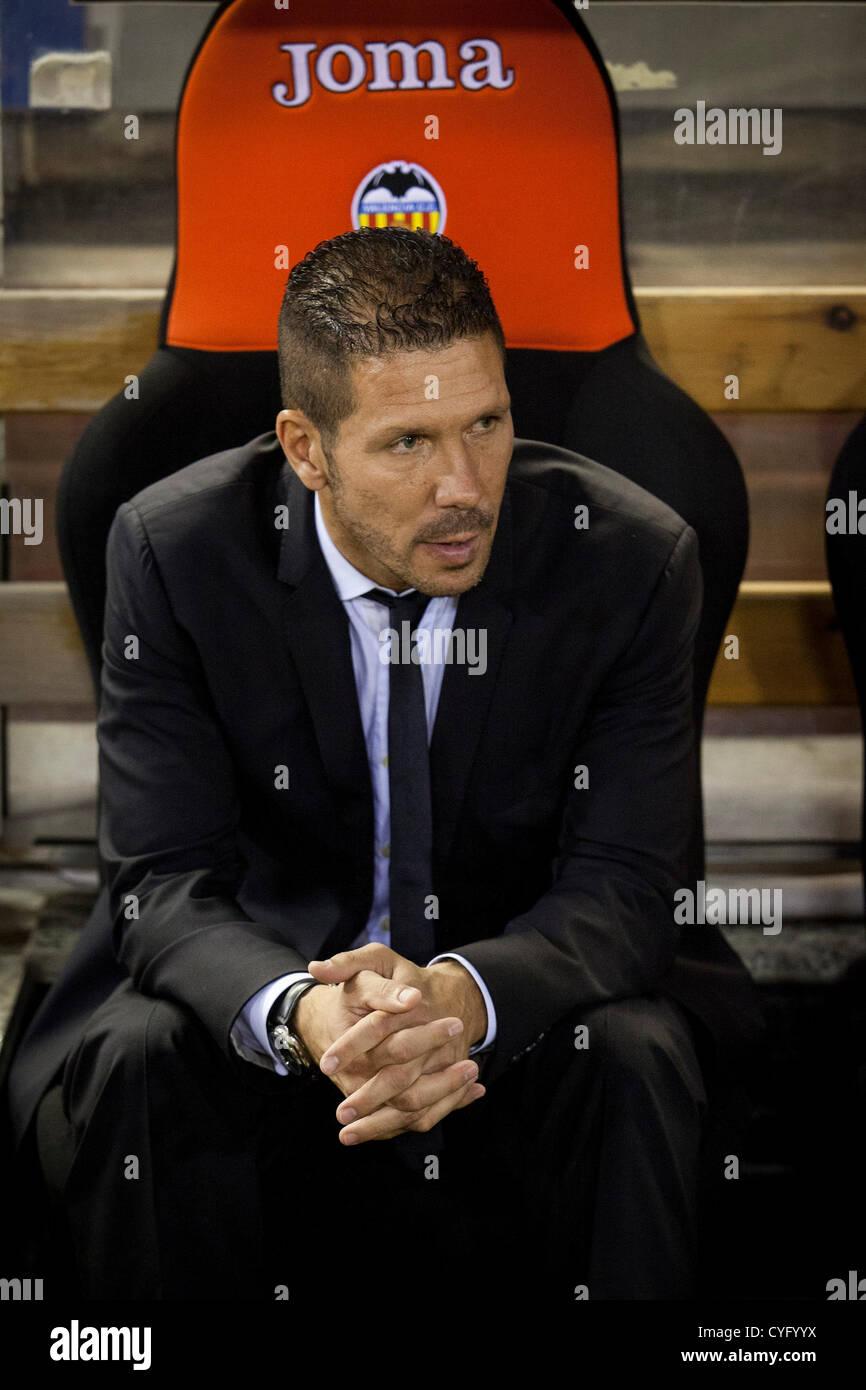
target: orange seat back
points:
(490, 122)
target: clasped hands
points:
(394, 1037)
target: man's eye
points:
(408, 439)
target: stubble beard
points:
(376, 543)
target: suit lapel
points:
(317, 632)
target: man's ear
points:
(302, 446)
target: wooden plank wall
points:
(792, 349)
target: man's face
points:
(412, 488)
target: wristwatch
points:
(287, 1044)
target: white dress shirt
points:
(367, 618)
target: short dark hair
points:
(367, 293)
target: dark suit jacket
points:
(560, 897)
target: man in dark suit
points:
(474, 944)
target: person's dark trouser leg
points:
(645, 1238)
(523, 1159)
(163, 1196)
(591, 1154)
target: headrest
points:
(490, 121)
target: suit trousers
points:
(192, 1176)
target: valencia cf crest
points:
(399, 193)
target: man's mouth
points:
(458, 549)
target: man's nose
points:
(458, 483)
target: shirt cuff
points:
(490, 1035)
(250, 1033)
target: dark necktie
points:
(411, 850)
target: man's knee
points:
(133, 1040)
(645, 1045)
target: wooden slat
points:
(792, 349)
(791, 650)
(72, 349)
(41, 656)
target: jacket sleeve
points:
(169, 808)
(605, 928)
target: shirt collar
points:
(349, 582)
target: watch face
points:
(292, 1051)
